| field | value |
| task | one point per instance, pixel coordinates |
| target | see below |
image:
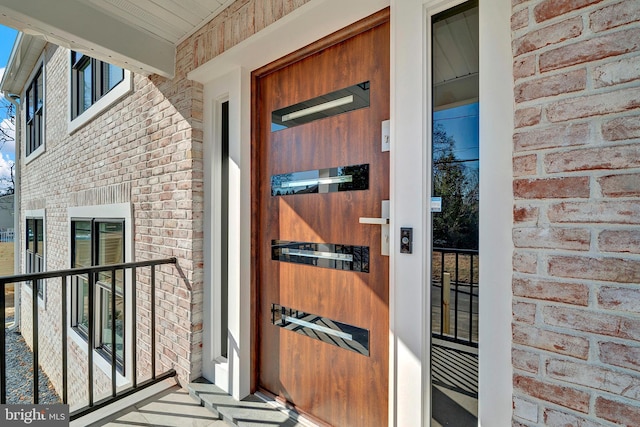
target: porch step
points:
(252, 411)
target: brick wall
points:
(145, 150)
(576, 166)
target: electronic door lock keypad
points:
(406, 240)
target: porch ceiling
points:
(140, 35)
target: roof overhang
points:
(83, 27)
(26, 52)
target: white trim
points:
(496, 202)
(234, 373)
(41, 149)
(408, 301)
(496, 212)
(114, 95)
(111, 211)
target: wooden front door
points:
(321, 282)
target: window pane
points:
(110, 249)
(113, 76)
(110, 243)
(39, 236)
(39, 91)
(106, 323)
(82, 292)
(37, 131)
(31, 235)
(76, 57)
(82, 244)
(86, 85)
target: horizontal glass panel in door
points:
(321, 328)
(329, 180)
(331, 104)
(325, 255)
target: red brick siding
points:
(576, 167)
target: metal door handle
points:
(384, 222)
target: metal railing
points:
(454, 295)
(91, 273)
(6, 236)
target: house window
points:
(99, 242)
(34, 260)
(91, 79)
(35, 111)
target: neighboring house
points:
(165, 130)
(6, 212)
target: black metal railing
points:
(91, 273)
(454, 295)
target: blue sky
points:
(462, 124)
(7, 37)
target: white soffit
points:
(24, 56)
(140, 35)
(305, 25)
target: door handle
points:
(383, 221)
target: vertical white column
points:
(409, 323)
(496, 207)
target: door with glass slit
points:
(320, 185)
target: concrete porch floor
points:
(201, 405)
(205, 405)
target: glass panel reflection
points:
(321, 328)
(329, 180)
(325, 255)
(334, 103)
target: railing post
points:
(446, 301)
(153, 322)
(442, 260)
(3, 353)
(34, 335)
(470, 298)
(64, 340)
(456, 299)
(91, 337)
(134, 329)
(113, 333)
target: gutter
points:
(13, 99)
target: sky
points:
(7, 149)
(462, 123)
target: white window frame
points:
(98, 212)
(100, 105)
(41, 149)
(37, 214)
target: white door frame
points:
(228, 77)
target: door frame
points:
(228, 76)
(259, 187)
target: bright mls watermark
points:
(34, 415)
